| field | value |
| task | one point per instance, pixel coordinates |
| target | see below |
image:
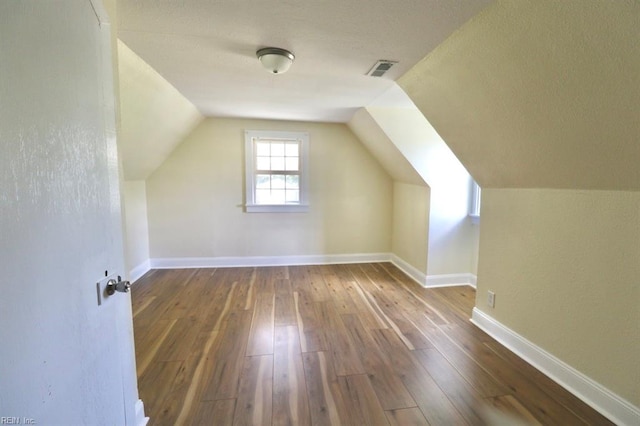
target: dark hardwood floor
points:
(328, 345)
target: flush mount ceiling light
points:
(275, 60)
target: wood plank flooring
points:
(354, 344)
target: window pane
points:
(262, 149)
(293, 196)
(293, 181)
(277, 181)
(277, 196)
(291, 150)
(263, 163)
(291, 163)
(263, 181)
(277, 149)
(277, 163)
(263, 196)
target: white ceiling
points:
(206, 49)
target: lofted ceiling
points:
(206, 50)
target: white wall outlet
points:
(491, 299)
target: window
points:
(474, 207)
(276, 171)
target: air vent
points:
(381, 67)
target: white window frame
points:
(252, 136)
(476, 199)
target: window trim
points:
(250, 171)
(475, 202)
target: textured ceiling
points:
(539, 94)
(206, 49)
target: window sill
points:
(475, 218)
(276, 208)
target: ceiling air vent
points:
(381, 67)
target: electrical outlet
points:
(491, 299)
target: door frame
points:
(133, 405)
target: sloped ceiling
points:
(541, 93)
(154, 116)
(420, 144)
(373, 137)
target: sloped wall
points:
(539, 94)
(154, 116)
(410, 218)
(453, 239)
(154, 119)
(545, 94)
(372, 136)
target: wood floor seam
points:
(350, 344)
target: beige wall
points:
(411, 224)
(565, 267)
(137, 236)
(195, 197)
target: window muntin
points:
(276, 171)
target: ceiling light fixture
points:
(275, 60)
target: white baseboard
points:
(222, 262)
(413, 272)
(139, 271)
(430, 281)
(610, 405)
(141, 420)
(450, 280)
(322, 259)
